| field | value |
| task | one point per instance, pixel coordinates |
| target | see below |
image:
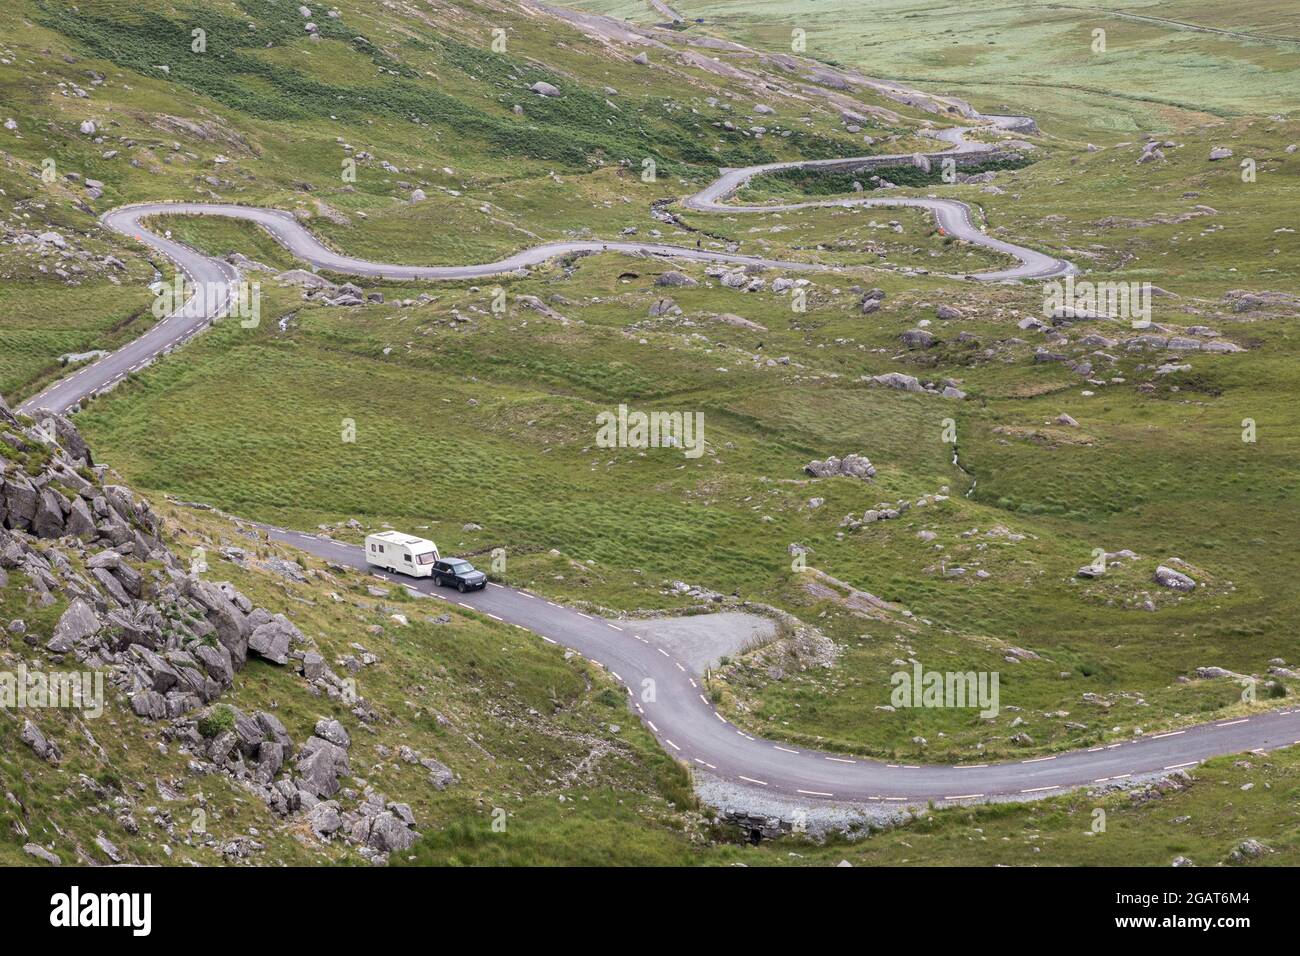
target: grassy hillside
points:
(411, 100)
(467, 416)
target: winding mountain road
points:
(680, 714)
(174, 330)
(691, 729)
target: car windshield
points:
(427, 558)
(461, 567)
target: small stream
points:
(973, 480)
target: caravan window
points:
(406, 558)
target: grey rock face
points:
(231, 625)
(41, 745)
(38, 851)
(313, 666)
(324, 818)
(320, 765)
(149, 704)
(440, 775)
(217, 662)
(270, 757)
(334, 732)
(78, 622)
(48, 520)
(20, 502)
(389, 834)
(273, 639)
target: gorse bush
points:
(813, 182)
(217, 721)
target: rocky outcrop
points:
(169, 641)
(850, 466)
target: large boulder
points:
(850, 466)
(1167, 577)
(334, 732)
(320, 765)
(273, 639)
(440, 775)
(389, 834)
(675, 280)
(324, 818)
(41, 745)
(20, 502)
(48, 520)
(149, 704)
(158, 673)
(217, 662)
(270, 757)
(78, 622)
(66, 434)
(274, 730)
(907, 383)
(80, 522)
(230, 622)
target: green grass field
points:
(1037, 56)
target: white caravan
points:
(394, 551)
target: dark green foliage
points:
(217, 721)
(813, 182)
